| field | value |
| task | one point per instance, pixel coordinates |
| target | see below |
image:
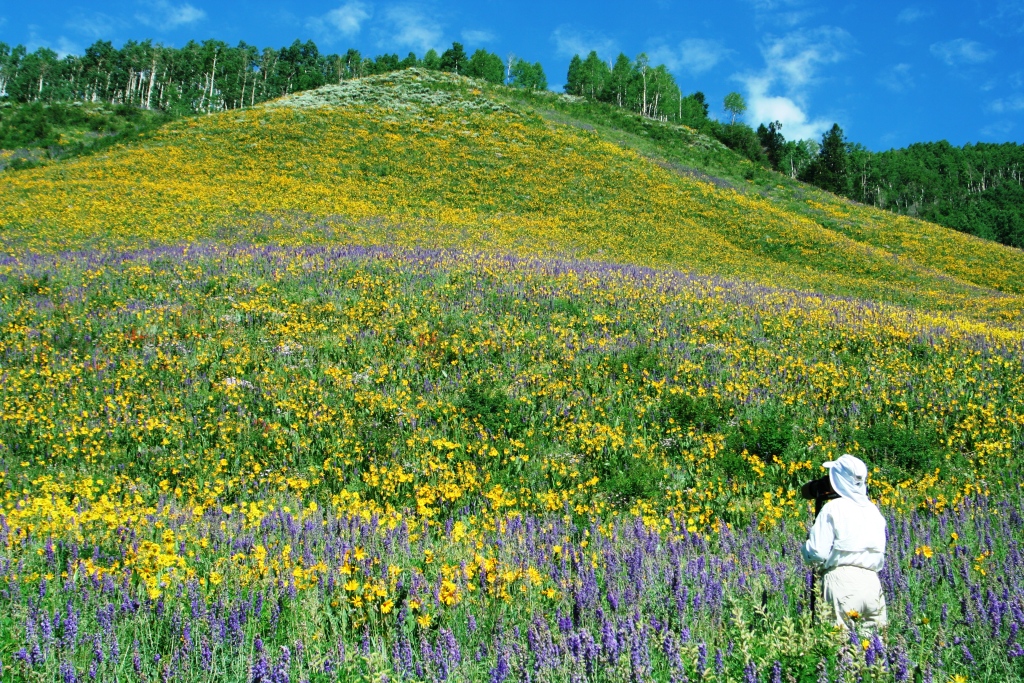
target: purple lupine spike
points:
(501, 669)
(260, 672)
(280, 673)
(451, 646)
(670, 645)
(702, 659)
(67, 672)
(70, 638)
(750, 673)
(875, 651)
(205, 655)
(609, 641)
(776, 672)
(823, 676)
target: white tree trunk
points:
(213, 71)
(152, 78)
(643, 73)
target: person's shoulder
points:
(836, 503)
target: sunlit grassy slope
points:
(427, 159)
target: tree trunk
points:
(149, 91)
(213, 71)
(643, 111)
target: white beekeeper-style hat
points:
(849, 477)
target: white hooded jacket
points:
(849, 531)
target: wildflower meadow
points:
(271, 416)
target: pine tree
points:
(574, 79)
(772, 142)
(831, 167)
(454, 58)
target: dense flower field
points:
(434, 161)
(349, 463)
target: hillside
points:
(429, 159)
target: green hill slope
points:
(689, 152)
(421, 158)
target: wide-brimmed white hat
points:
(849, 477)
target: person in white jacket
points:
(847, 546)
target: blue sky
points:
(888, 73)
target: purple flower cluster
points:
(659, 607)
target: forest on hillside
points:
(977, 189)
(213, 76)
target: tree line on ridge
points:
(977, 188)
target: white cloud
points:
(410, 27)
(477, 37)
(1008, 17)
(784, 13)
(695, 55)
(797, 125)
(897, 78)
(63, 47)
(961, 52)
(343, 21)
(1007, 105)
(164, 16)
(912, 14)
(999, 129)
(795, 58)
(569, 42)
(772, 5)
(96, 25)
(67, 47)
(792, 63)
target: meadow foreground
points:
(348, 463)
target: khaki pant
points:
(854, 595)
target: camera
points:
(820, 491)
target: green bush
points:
(703, 412)
(897, 449)
(491, 407)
